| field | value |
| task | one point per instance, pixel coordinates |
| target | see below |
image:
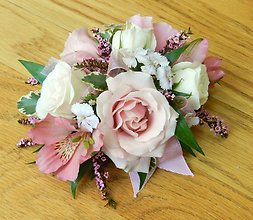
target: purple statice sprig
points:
(93, 65)
(32, 81)
(101, 176)
(169, 95)
(176, 41)
(104, 46)
(214, 122)
(28, 121)
(25, 142)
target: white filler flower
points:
(86, 118)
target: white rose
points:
(135, 35)
(62, 88)
(194, 80)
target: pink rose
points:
(136, 121)
(78, 47)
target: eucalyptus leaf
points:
(85, 169)
(175, 54)
(27, 104)
(97, 80)
(184, 134)
(34, 69)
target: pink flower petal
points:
(47, 159)
(173, 159)
(197, 54)
(215, 75)
(212, 63)
(142, 21)
(79, 46)
(70, 170)
(162, 33)
(50, 130)
(116, 64)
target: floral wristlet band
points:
(129, 94)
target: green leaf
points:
(106, 35)
(112, 203)
(97, 80)
(27, 104)
(187, 148)
(33, 162)
(38, 149)
(152, 163)
(175, 54)
(85, 169)
(142, 177)
(175, 85)
(34, 69)
(184, 134)
(157, 83)
(187, 95)
(90, 97)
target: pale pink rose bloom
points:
(78, 47)
(136, 121)
(62, 155)
(213, 69)
(162, 30)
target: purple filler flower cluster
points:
(104, 46)
(213, 122)
(175, 42)
(101, 176)
(32, 81)
(25, 142)
(93, 65)
(28, 121)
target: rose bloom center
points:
(131, 116)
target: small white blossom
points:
(86, 119)
(152, 63)
(164, 75)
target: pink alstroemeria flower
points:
(63, 149)
(197, 54)
(162, 30)
(78, 47)
(213, 69)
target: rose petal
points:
(137, 81)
